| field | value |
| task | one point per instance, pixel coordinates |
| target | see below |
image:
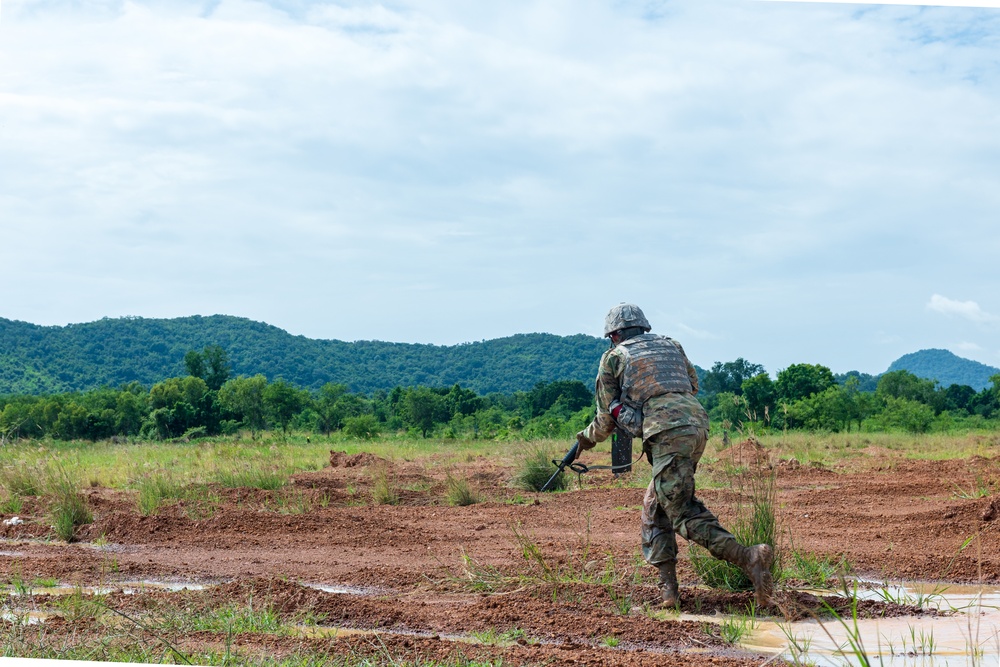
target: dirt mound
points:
(749, 453)
(345, 460)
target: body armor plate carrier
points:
(654, 365)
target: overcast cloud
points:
(786, 182)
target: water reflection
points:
(965, 633)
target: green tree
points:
(195, 364)
(217, 370)
(829, 410)
(178, 404)
(904, 384)
(282, 402)
(800, 381)
(730, 410)
(959, 397)
(760, 395)
(902, 413)
(544, 395)
(244, 398)
(729, 376)
(130, 410)
(329, 411)
(422, 408)
(461, 401)
(364, 427)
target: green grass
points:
(156, 489)
(979, 488)
(459, 491)
(738, 625)
(12, 505)
(812, 569)
(535, 469)
(494, 637)
(22, 478)
(384, 489)
(849, 449)
(251, 477)
(68, 509)
(237, 618)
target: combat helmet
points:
(623, 316)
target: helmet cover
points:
(623, 316)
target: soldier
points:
(647, 386)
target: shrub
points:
(363, 427)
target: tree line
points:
(810, 396)
(209, 400)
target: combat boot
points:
(668, 584)
(756, 563)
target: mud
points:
(428, 577)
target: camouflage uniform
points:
(674, 433)
(646, 385)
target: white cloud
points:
(731, 162)
(969, 310)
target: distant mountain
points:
(946, 368)
(36, 359)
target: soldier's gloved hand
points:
(583, 443)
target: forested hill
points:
(36, 359)
(946, 368)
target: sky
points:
(787, 182)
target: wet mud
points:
(426, 581)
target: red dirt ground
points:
(411, 567)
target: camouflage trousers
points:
(670, 507)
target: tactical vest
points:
(654, 365)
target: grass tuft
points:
(814, 570)
(536, 469)
(20, 480)
(155, 490)
(460, 492)
(384, 490)
(738, 625)
(68, 509)
(251, 478)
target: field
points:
(411, 552)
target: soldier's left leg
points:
(690, 518)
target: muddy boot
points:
(668, 584)
(756, 563)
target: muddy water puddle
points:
(126, 587)
(965, 633)
(344, 590)
(136, 587)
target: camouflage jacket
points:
(665, 412)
